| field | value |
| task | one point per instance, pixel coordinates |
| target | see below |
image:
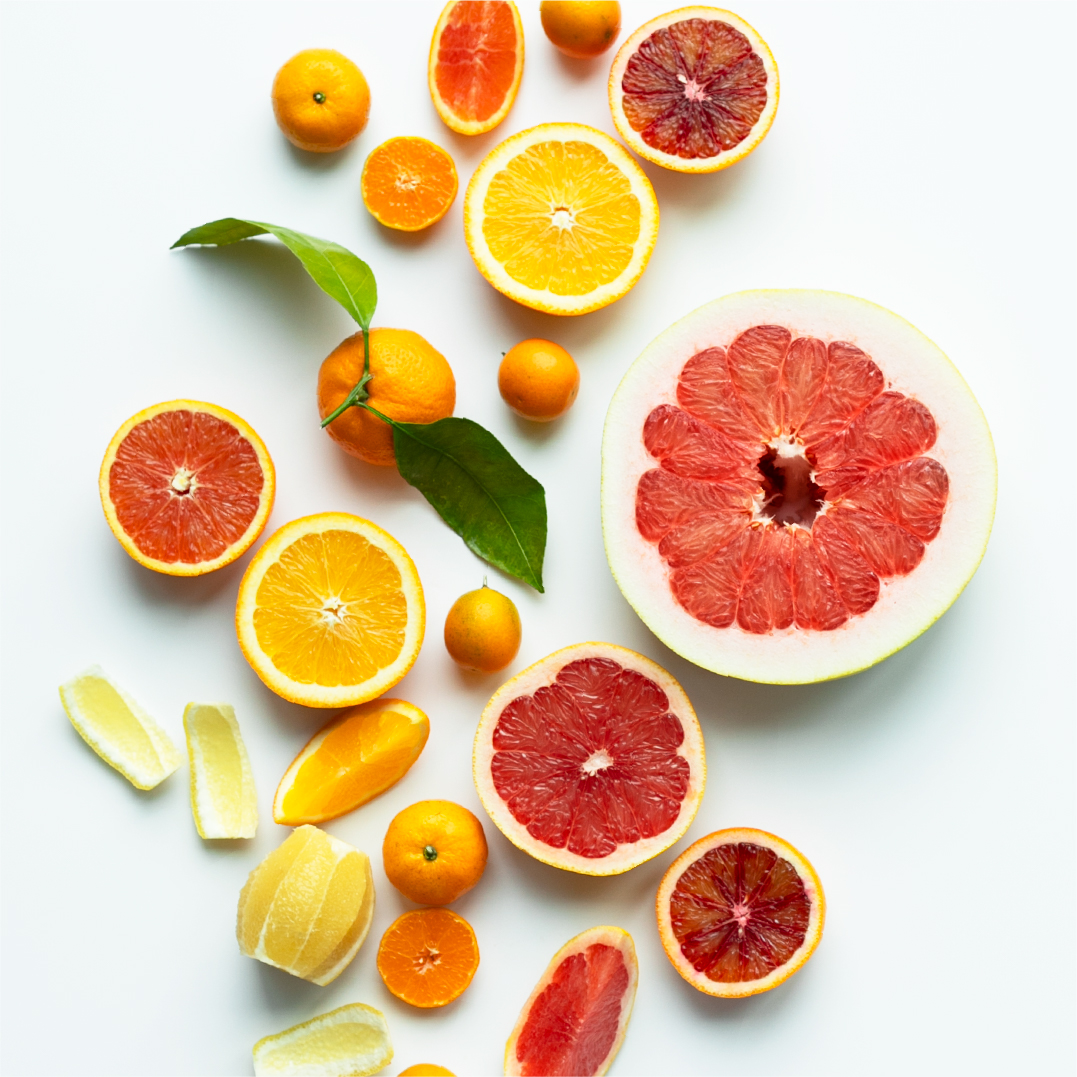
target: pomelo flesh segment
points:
(767, 473)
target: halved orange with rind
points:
(408, 183)
(186, 487)
(331, 611)
(561, 218)
(739, 912)
(428, 957)
(694, 90)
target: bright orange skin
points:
(538, 380)
(411, 381)
(482, 630)
(426, 1069)
(325, 125)
(581, 29)
(459, 852)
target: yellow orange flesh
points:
(223, 797)
(352, 1040)
(357, 756)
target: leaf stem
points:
(359, 393)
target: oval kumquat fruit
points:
(538, 379)
(482, 630)
(428, 957)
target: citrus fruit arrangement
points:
(795, 484)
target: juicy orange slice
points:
(408, 183)
(560, 218)
(331, 611)
(428, 957)
(353, 759)
(476, 63)
(186, 487)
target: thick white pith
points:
(907, 605)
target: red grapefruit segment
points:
(763, 477)
(590, 760)
(739, 912)
(576, 1018)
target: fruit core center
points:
(430, 853)
(790, 495)
(407, 181)
(741, 914)
(333, 610)
(692, 89)
(563, 218)
(319, 97)
(427, 959)
(597, 761)
(182, 481)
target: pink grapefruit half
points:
(795, 485)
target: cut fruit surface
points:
(694, 90)
(795, 484)
(352, 759)
(576, 1018)
(307, 907)
(352, 1041)
(560, 218)
(739, 912)
(476, 63)
(186, 487)
(408, 183)
(330, 611)
(591, 760)
(428, 957)
(118, 729)
(223, 798)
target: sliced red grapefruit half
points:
(186, 487)
(795, 484)
(591, 760)
(739, 912)
(575, 1020)
(694, 90)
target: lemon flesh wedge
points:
(350, 1042)
(223, 798)
(307, 907)
(118, 729)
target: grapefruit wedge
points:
(795, 484)
(576, 1018)
(590, 760)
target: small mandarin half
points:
(581, 29)
(434, 851)
(482, 630)
(408, 183)
(428, 957)
(321, 100)
(538, 379)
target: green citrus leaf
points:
(338, 272)
(479, 490)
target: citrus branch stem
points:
(359, 393)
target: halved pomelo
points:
(694, 90)
(795, 484)
(739, 912)
(186, 487)
(590, 760)
(476, 63)
(575, 1020)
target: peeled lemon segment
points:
(307, 907)
(223, 797)
(352, 1041)
(118, 729)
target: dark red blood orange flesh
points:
(789, 483)
(739, 912)
(185, 485)
(694, 89)
(573, 1023)
(590, 762)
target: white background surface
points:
(922, 157)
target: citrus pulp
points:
(352, 1040)
(408, 183)
(428, 957)
(223, 798)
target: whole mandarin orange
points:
(410, 381)
(538, 380)
(321, 100)
(581, 28)
(426, 1069)
(434, 851)
(482, 630)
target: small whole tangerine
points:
(321, 100)
(581, 29)
(426, 1069)
(410, 381)
(482, 630)
(434, 851)
(538, 379)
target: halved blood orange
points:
(694, 90)
(576, 1018)
(739, 912)
(186, 487)
(795, 485)
(590, 760)
(476, 63)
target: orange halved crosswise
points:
(330, 611)
(408, 183)
(428, 957)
